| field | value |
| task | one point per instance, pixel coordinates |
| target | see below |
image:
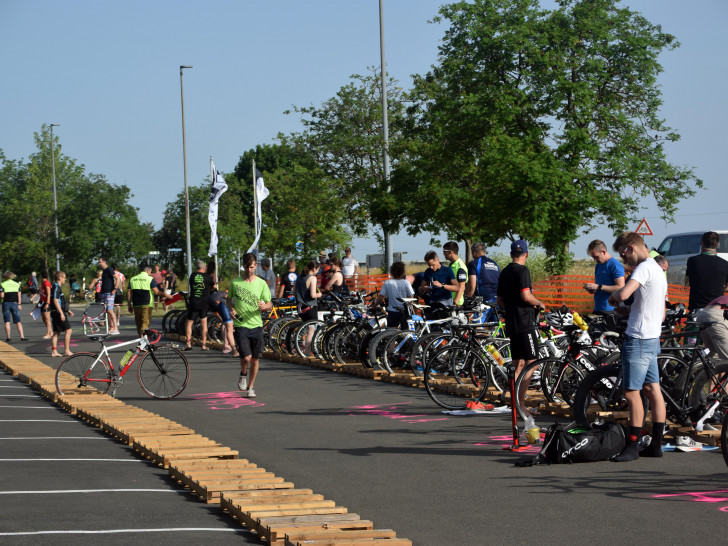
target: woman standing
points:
(45, 304)
(396, 287)
(10, 292)
(336, 284)
(306, 292)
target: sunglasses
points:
(623, 253)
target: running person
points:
(247, 297)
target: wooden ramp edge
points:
(266, 504)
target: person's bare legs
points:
(47, 321)
(188, 333)
(203, 333)
(67, 343)
(254, 365)
(20, 330)
(54, 344)
(7, 330)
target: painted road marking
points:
(57, 438)
(91, 460)
(113, 531)
(73, 491)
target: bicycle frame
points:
(142, 344)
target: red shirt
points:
(43, 286)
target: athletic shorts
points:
(118, 297)
(311, 314)
(10, 311)
(639, 362)
(249, 341)
(194, 313)
(223, 311)
(58, 324)
(108, 300)
(524, 345)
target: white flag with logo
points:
(261, 192)
(217, 188)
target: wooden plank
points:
(215, 494)
(356, 542)
(298, 536)
(274, 528)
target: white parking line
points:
(89, 460)
(19, 395)
(14, 387)
(30, 407)
(67, 491)
(112, 531)
(37, 421)
(55, 438)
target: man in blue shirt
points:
(608, 276)
(439, 282)
(482, 275)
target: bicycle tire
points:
(424, 346)
(364, 346)
(284, 335)
(601, 390)
(702, 392)
(215, 329)
(535, 369)
(302, 334)
(318, 340)
(275, 329)
(71, 371)
(724, 438)
(376, 347)
(397, 350)
(560, 379)
(168, 319)
(170, 380)
(444, 386)
(180, 323)
(89, 296)
(346, 343)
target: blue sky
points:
(108, 72)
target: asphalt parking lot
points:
(384, 451)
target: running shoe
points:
(472, 404)
(243, 382)
(686, 443)
(251, 393)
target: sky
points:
(108, 73)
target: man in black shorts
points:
(516, 297)
(199, 292)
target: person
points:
(662, 262)
(140, 294)
(482, 275)
(715, 335)
(45, 304)
(450, 251)
(335, 284)
(108, 294)
(706, 274)
(608, 276)
(197, 304)
(266, 273)
(159, 279)
(288, 281)
(59, 316)
(323, 266)
(306, 293)
(396, 287)
(119, 293)
(641, 345)
(515, 296)
(417, 282)
(33, 287)
(74, 287)
(170, 287)
(95, 285)
(438, 283)
(247, 297)
(10, 291)
(349, 265)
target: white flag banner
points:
(261, 192)
(217, 188)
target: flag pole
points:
(255, 209)
(212, 183)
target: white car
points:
(679, 247)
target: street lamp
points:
(184, 159)
(55, 199)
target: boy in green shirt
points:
(247, 297)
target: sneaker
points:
(251, 393)
(473, 404)
(115, 333)
(706, 426)
(243, 382)
(686, 443)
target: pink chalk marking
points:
(390, 412)
(699, 496)
(225, 400)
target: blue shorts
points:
(639, 362)
(108, 301)
(10, 308)
(223, 311)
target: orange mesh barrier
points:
(568, 290)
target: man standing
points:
(200, 285)
(288, 281)
(349, 265)
(108, 293)
(140, 295)
(267, 275)
(608, 276)
(247, 297)
(159, 279)
(59, 316)
(642, 342)
(482, 275)
(438, 282)
(450, 250)
(119, 295)
(516, 297)
(706, 273)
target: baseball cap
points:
(519, 246)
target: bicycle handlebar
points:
(152, 335)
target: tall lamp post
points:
(55, 198)
(184, 159)
(385, 130)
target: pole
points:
(212, 183)
(184, 160)
(385, 130)
(255, 211)
(55, 199)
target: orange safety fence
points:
(568, 290)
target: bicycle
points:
(163, 371)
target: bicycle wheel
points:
(168, 320)
(724, 438)
(534, 372)
(560, 379)
(396, 351)
(303, 337)
(707, 389)
(165, 378)
(284, 336)
(454, 376)
(424, 346)
(215, 329)
(89, 296)
(601, 390)
(75, 373)
(376, 347)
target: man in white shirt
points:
(349, 265)
(641, 346)
(267, 275)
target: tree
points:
(344, 138)
(539, 123)
(94, 216)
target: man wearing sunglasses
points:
(646, 289)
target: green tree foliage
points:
(344, 138)
(94, 217)
(540, 123)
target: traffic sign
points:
(643, 228)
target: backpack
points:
(571, 443)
